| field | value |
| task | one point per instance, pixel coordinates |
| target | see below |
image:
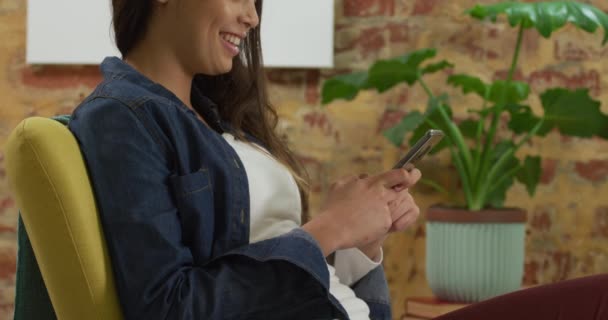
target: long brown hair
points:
(240, 94)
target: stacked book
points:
(421, 308)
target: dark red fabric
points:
(579, 299)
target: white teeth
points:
(235, 40)
(232, 39)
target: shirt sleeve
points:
(155, 273)
(352, 265)
(373, 289)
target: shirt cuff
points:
(352, 265)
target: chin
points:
(216, 69)
(227, 69)
(223, 68)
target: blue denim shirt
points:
(173, 198)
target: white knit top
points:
(276, 209)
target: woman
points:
(200, 200)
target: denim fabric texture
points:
(174, 203)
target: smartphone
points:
(430, 139)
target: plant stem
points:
(484, 189)
(454, 132)
(512, 151)
(456, 157)
(502, 179)
(520, 37)
(494, 170)
(530, 134)
(485, 157)
(466, 186)
(426, 88)
(479, 135)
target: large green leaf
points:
(343, 86)
(500, 91)
(415, 58)
(523, 120)
(530, 174)
(432, 68)
(408, 123)
(468, 128)
(503, 92)
(573, 113)
(385, 74)
(496, 198)
(604, 132)
(546, 17)
(469, 84)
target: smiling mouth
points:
(232, 39)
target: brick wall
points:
(568, 228)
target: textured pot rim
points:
(439, 213)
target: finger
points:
(400, 209)
(406, 220)
(407, 196)
(402, 194)
(407, 206)
(392, 205)
(415, 174)
(392, 178)
(386, 194)
(397, 209)
(401, 224)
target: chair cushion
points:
(49, 179)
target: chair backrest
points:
(48, 176)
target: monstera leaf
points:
(408, 123)
(344, 86)
(573, 113)
(469, 84)
(530, 174)
(383, 75)
(523, 120)
(504, 92)
(500, 92)
(432, 68)
(546, 17)
(468, 128)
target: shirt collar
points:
(114, 68)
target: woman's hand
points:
(358, 211)
(404, 212)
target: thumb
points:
(393, 178)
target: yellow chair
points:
(48, 176)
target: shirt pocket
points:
(194, 200)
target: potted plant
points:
(476, 250)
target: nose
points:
(249, 17)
